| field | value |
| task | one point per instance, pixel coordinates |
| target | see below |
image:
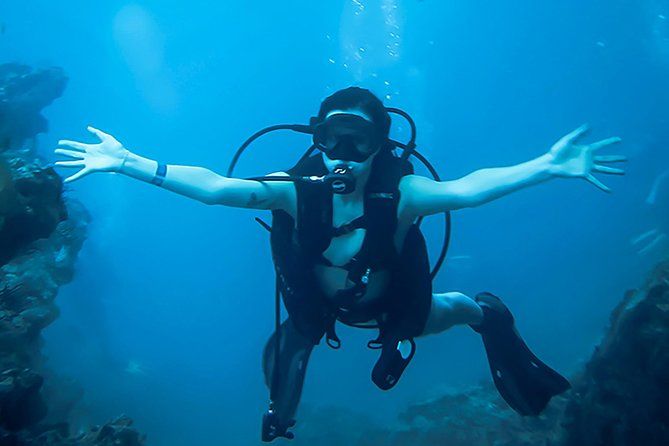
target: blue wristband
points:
(159, 177)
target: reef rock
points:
(31, 204)
(473, 417)
(28, 286)
(24, 92)
(478, 417)
(21, 404)
(622, 397)
(117, 432)
(41, 234)
(39, 242)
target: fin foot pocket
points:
(391, 364)
(522, 379)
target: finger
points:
(70, 163)
(575, 134)
(73, 144)
(97, 132)
(76, 176)
(598, 183)
(604, 142)
(610, 159)
(606, 169)
(70, 153)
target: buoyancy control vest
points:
(298, 245)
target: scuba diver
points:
(347, 246)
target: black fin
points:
(286, 391)
(390, 365)
(272, 428)
(524, 381)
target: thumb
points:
(99, 133)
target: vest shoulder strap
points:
(381, 202)
(314, 208)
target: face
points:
(349, 137)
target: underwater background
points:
(171, 301)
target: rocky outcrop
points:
(21, 404)
(118, 432)
(473, 417)
(31, 204)
(478, 417)
(29, 283)
(41, 234)
(24, 93)
(622, 397)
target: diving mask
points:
(347, 137)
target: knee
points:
(463, 307)
(453, 300)
(453, 295)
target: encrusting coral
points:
(41, 234)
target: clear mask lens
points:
(346, 137)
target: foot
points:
(496, 315)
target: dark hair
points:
(356, 97)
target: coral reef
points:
(478, 417)
(33, 206)
(118, 432)
(620, 398)
(29, 284)
(473, 417)
(41, 234)
(21, 404)
(24, 92)
(31, 203)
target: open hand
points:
(106, 156)
(569, 159)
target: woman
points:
(353, 252)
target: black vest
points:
(405, 303)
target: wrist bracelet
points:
(159, 176)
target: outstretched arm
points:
(565, 159)
(198, 183)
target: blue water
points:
(172, 301)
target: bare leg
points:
(449, 309)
